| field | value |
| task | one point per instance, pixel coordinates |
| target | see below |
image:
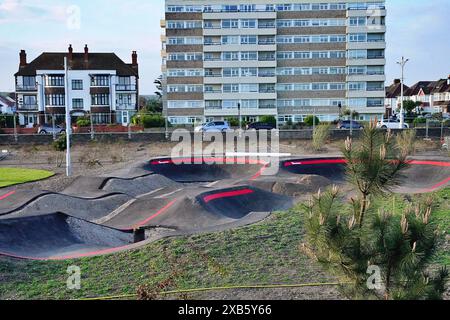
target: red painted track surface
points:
(228, 194)
(223, 200)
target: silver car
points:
(215, 126)
(48, 129)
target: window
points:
(230, 39)
(230, 104)
(77, 104)
(124, 99)
(249, 55)
(29, 100)
(248, 24)
(231, 72)
(230, 56)
(248, 39)
(100, 81)
(29, 82)
(100, 99)
(249, 88)
(357, 86)
(231, 88)
(54, 81)
(55, 100)
(77, 84)
(357, 21)
(249, 72)
(357, 37)
(230, 24)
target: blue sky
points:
(416, 29)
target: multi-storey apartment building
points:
(100, 85)
(289, 59)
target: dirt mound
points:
(294, 187)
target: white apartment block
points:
(100, 85)
(289, 59)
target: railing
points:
(213, 75)
(266, 75)
(213, 43)
(26, 88)
(266, 42)
(213, 107)
(126, 87)
(266, 58)
(375, 57)
(266, 26)
(28, 106)
(126, 107)
(267, 91)
(213, 59)
(213, 91)
(268, 106)
(212, 27)
(375, 89)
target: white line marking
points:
(209, 185)
(115, 212)
(167, 194)
(149, 193)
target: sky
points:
(416, 29)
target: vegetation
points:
(269, 119)
(149, 120)
(309, 120)
(13, 176)
(366, 237)
(83, 122)
(320, 136)
(60, 144)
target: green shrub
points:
(320, 136)
(268, 119)
(60, 144)
(232, 121)
(309, 120)
(83, 122)
(152, 121)
(418, 121)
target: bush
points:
(233, 122)
(320, 136)
(152, 121)
(418, 121)
(83, 122)
(309, 120)
(269, 119)
(60, 144)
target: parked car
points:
(215, 126)
(391, 124)
(260, 126)
(49, 129)
(349, 124)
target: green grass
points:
(264, 253)
(13, 176)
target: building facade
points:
(100, 85)
(290, 59)
(433, 96)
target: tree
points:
(352, 239)
(411, 106)
(311, 120)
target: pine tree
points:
(351, 239)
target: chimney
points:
(70, 55)
(23, 58)
(86, 53)
(397, 81)
(134, 59)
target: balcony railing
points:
(28, 106)
(213, 75)
(26, 88)
(213, 91)
(267, 106)
(266, 75)
(270, 58)
(266, 26)
(126, 106)
(125, 87)
(375, 89)
(212, 43)
(213, 58)
(266, 42)
(375, 57)
(268, 90)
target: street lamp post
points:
(402, 63)
(68, 121)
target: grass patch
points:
(13, 176)
(264, 253)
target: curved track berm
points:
(170, 197)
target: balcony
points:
(266, 42)
(266, 26)
(125, 87)
(26, 87)
(28, 107)
(125, 107)
(213, 75)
